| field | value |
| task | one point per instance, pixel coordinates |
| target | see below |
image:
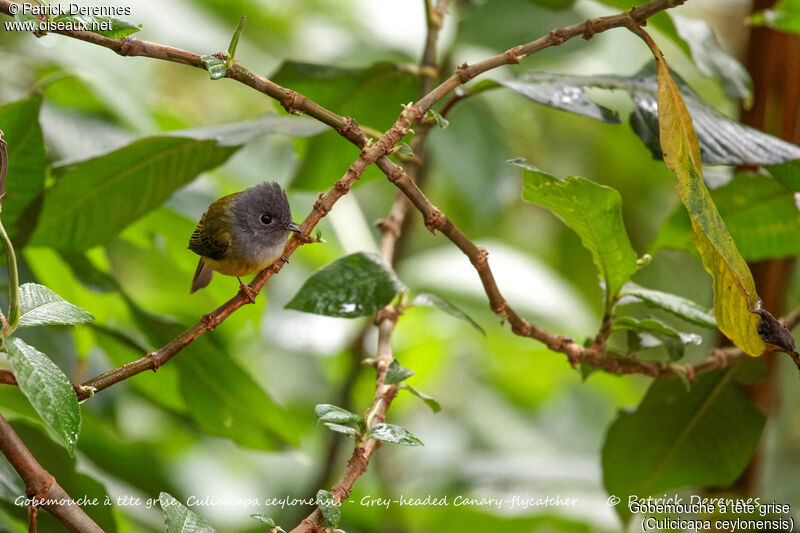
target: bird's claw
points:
(247, 291)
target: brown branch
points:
(375, 152)
(41, 486)
(386, 319)
(384, 394)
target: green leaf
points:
(220, 395)
(48, 390)
(674, 341)
(735, 294)
(711, 59)
(215, 66)
(330, 510)
(355, 285)
(239, 133)
(25, 17)
(785, 15)
(371, 95)
(429, 400)
(431, 300)
(405, 150)
(339, 428)
(225, 400)
(560, 92)
(235, 41)
(11, 486)
(439, 119)
(273, 527)
(392, 433)
(108, 26)
(397, 373)
(592, 211)
(326, 412)
(676, 439)
(93, 200)
(39, 306)
(787, 173)
(722, 141)
(759, 212)
(19, 122)
(179, 519)
(476, 146)
(680, 307)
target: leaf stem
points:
(13, 283)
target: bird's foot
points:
(247, 291)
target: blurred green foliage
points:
(113, 160)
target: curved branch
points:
(41, 486)
(374, 153)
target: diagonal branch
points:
(386, 319)
(372, 153)
(41, 488)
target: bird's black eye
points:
(266, 219)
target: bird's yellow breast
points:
(238, 264)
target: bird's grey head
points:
(262, 217)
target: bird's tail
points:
(202, 276)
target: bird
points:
(241, 234)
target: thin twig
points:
(359, 461)
(3, 165)
(376, 152)
(40, 485)
(6, 242)
(13, 283)
(386, 320)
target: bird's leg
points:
(246, 290)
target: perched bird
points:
(241, 234)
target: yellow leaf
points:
(735, 294)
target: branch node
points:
(523, 329)
(125, 46)
(320, 207)
(40, 486)
(589, 32)
(289, 102)
(387, 225)
(558, 36)
(350, 124)
(435, 220)
(210, 321)
(512, 54)
(396, 174)
(153, 356)
(482, 261)
(342, 186)
(462, 72)
(389, 312)
(500, 309)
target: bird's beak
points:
(293, 227)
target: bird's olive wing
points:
(210, 239)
